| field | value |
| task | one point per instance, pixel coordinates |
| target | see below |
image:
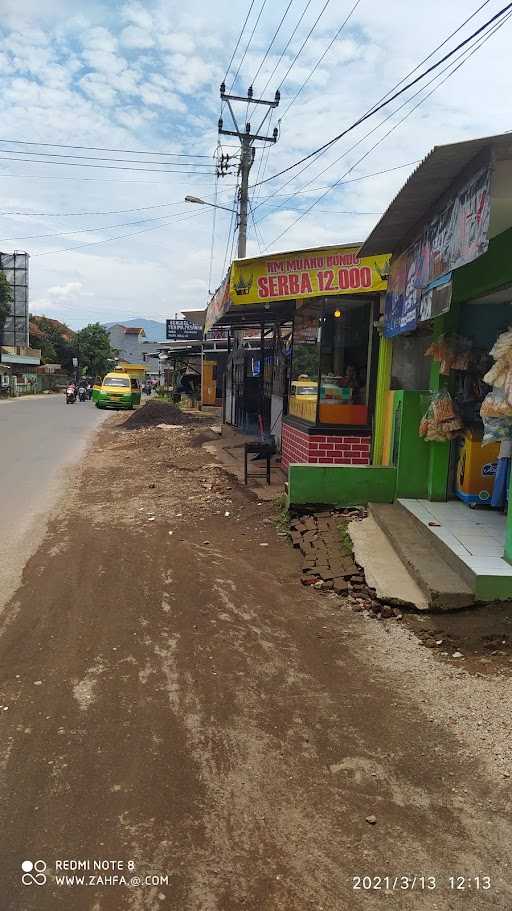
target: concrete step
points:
(383, 569)
(444, 585)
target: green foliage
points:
(281, 514)
(55, 341)
(5, 301)
(345, 540)
(92, 347)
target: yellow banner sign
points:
(307, 273)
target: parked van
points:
(118, 390)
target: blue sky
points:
(145, 76)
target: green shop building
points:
(437, 465)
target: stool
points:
(261, 449)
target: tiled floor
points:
(476, 536)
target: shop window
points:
(344, 362)
(305, 362)
(331, 358)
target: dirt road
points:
(173, 704)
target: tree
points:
(95, 356)
(5, 305)
(55, 340)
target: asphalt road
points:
(40, 437)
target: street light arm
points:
(202, 202)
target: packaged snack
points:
(496, 405)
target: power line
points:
(232, 228)
(397, 94)
(287, 45)
(239, 40)
(72, 164)
(107, 240)
(308, 189)
(466, 55)
(377, 127)
(161, 205)
(322, 57)
(122, 224)
(176, 164)
(436, 49)
(264, 3)
(59, 145)
(75, 177)
(214, 222)
(303, 45)
(269, 48)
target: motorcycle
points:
(70, 395)
(81, 394)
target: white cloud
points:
(138, 15)
(140, 75)
(179, 42)
(136, 37)
(70, 289)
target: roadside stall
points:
(444, 399)
(314, 311)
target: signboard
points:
(436, 298)
(182, 330)
(218, 306)
(452, 238)
(306, 274)
(75, 362)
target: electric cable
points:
(98, 228)
(73, 164)
(322, 57)
(60, 145)
(373, 130)
(303, 45)
(175, 164)
(453, 69)
(383, 104)
(239, 40)
(269, 48)
(212, 244)
(107, 240)
(287, 45)
(263, 5)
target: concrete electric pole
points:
(248, 152)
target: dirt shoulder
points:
(175, 698)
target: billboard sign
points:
(182, 330)
(305, 274)
(419, 279)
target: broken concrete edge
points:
(330, 567)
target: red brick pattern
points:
(323, 449)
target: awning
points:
(263, 289)
(427, 185)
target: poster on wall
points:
(454, 237)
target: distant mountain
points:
(155, 331)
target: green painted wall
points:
(489, 272)
(508, 531)
(341, 485)
(383, 383)
(412, 453)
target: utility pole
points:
(248, 152)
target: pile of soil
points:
(157, 412)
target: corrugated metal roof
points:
(431, 179)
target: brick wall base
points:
(323, 449)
